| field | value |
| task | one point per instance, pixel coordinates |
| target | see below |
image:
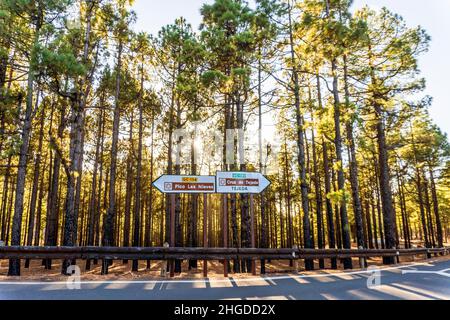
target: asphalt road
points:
(421, 282)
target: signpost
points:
(224, 183)
(173, 185)
(241, 182)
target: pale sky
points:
(433, 15)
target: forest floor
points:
(122, 272)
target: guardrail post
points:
(164, 264)
(362, 261)
(294, 250)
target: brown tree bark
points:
(5, 190)
(95, 196)
(357, 207)
(340, 172)
(137, 198)
(14, 264)
(129, 188)
(428, 210)
(108, 232)
(301, 146)
(34, 192)
(437, 216)
(319, 200)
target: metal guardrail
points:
(159, 253)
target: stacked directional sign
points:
(223, 182)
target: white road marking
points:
(444, 273)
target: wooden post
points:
(362, 261)
(172, 232)
(294, 249)
(164, 264)
(225, 233)
(205, 232)
(252, 221)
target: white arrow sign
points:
(186, 184)
(241, 182)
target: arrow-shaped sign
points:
(241, 182)
(185, 184)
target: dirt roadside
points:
(122, 272)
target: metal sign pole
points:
(172, 232)
(205, 232)
(252, 217)
(225, 233)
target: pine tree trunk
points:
(357, 207)
(108, 238)
(137, 203)
(263, 243)
(148, 236)
(37, 230)
(437, 216)
(428, 210)
(309, 264)
(419, 187)
(385, 186)
(51, 238)
(14, 264)
(129, 191)
(4, 208)
(340, 172)
(171, 128)
(74, 179)
(326, 168)
(34, 192)
(319, 201)
(178, 204)
(95, 198)
(9, 212)
(193, 210)
(380, 222)
(75, 156)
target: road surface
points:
(424, 281)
